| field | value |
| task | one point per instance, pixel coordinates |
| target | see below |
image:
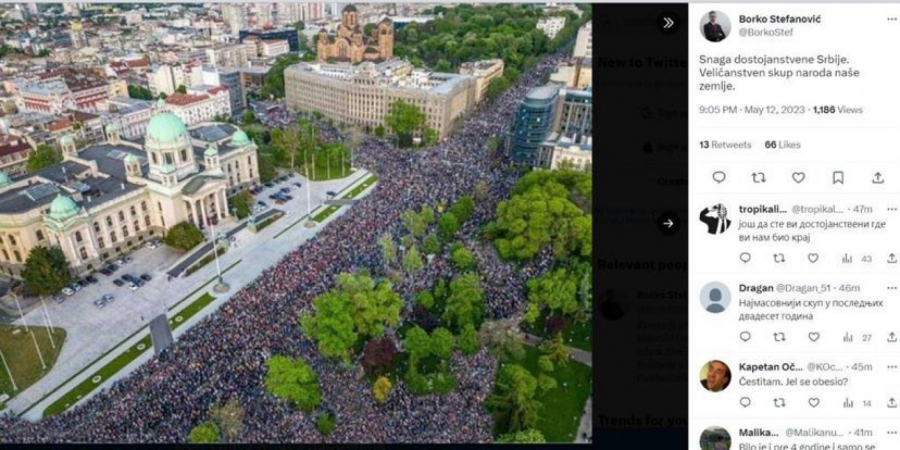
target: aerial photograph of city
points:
(295, 222)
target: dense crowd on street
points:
(224, 355)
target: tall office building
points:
(532, 124)
(584, 42)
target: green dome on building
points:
(239, 138)
(165, 128)
(167, 169)
(112, 127)
(67, 140)
(211, 151)
(63, 207)
(131, 159)
(4, 179)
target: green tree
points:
(325, 423)
(529, 436)
(241, 203)
(556, 350)
(412, 260)
(183, 236)
(462, 258)
(139, 92)
(463, 208)
(546, 208)
(204, 433)
(273, 83)
(427, 214)
(356, 308)
(413, 222)
(496, 87)
(448, 226)
(287, 142)
(388, 249)
(465, 304)
(468, 339)
(441, 343)
(513, 402)
(230, 419)
(405, 119)
(46, 271)
(182, 89)
(249, 117)
(331, 326)
(556, 289)
(379, 131)
(431, 245)
(381, 389)
(481, 191)
(425, 299)
(417, 343)
(546, 383)
(43, 156)
(294, 381)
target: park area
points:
(17, 347)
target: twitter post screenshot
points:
(794, 253)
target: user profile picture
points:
(715, 217)
(715, 376)
(715, 297)
(715, 438)
(715, 26)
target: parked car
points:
(270, 184)
(105, 271)
(118, 282)
(91, 279)
(128, 277)
(59, 298)
(299, 185)
(139, 282)
(286, 189)
(68, 291)
(128, 259)
(120, 262)
(112, 267)
(99, 303)
(261, 203)
(75, 286)
(108, 298)
(146, 277)
(331, 193)
(132, 286)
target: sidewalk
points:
(255, 253)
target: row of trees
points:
(299, 148)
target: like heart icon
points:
(813, 257)
(799, 177)
(814, 401)
(814, 336)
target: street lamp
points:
(8, 372)
(221, 286)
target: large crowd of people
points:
(224, 355)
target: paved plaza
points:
(93, 331)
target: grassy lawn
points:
(365, 184)
(321, 172)
(22, 358)
(562, 408)
(320, 217)
(133, 352)
(576, 334)
(97, 377)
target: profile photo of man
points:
(715, 376)
(713, 29)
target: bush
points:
(448, 225)
(325, 423)
(381, 389)
(468, 340)
(462, 259)
(241, 203)
(431, 245)
(183, 236)
(204, 433)
(379, 131)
